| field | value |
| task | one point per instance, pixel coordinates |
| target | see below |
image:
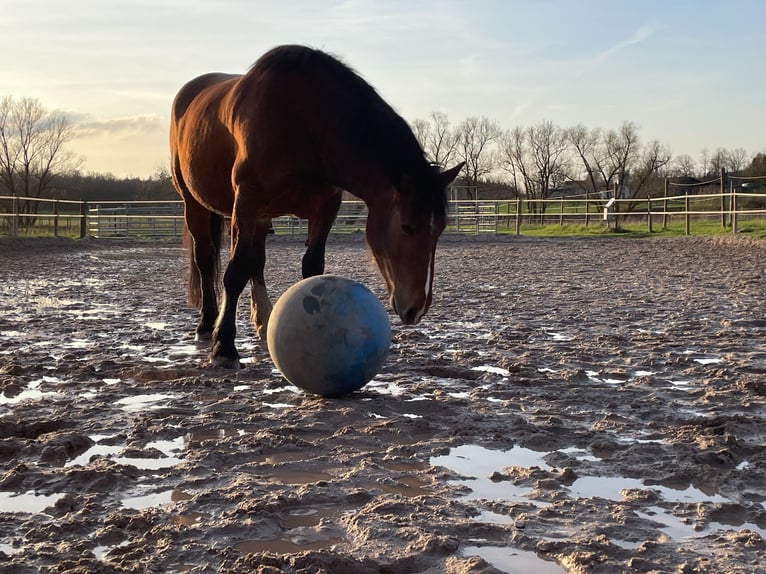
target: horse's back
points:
(192, 89)
(201, 145)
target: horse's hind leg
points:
(205, 229)
(320, 224)
(260, 304)
(247, 260)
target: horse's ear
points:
(449, 176)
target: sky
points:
(689, 73)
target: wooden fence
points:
(164, 219)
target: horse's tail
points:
(195, 283)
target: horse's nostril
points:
(411, 316)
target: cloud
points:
(121, 128)
(638, 37)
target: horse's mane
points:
(372, 123)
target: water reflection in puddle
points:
(611, 488)
(479, 463)
(300, 476)
(493, 370)
(513, 560)
(678, 528)
(27, 502)
(284, 545)
(32, 392)
(169, 448)
(155, 499)
(143, 402)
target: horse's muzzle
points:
(409, 314)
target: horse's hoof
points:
(226, 362)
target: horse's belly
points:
(209, 182)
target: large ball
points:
(328, 335)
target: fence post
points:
(649, 213)
(518, 215)
(56, 218)
(587, 208)
(561, 211)
(15, 215)
(733, 202)
(665, 206)
(686, 214)
(83, 219)
(723, 197)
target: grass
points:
(749, 228)
(755, 228)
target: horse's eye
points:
(408, 228)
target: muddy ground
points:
(578, 405)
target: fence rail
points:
(164, 219)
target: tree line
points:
(535, 162)
(541, 160)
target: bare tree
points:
(586, 147)
(620, 148)
(738, 160)
(536, 155)
(606, 157)
(475, 138)
(649, 162)
(718, 161)
(684, 166)
(420, 128)
(32, 151)
(704, 163)
(436, 137)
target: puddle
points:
(677, 528)
(26, 395)
(489, 517)
(579, 454)
(8, 549)
(708, 361)
(101, 551)
(385, 387)
(191, 518)
(284, 545)
(610, 487)
(28, 502)
(31, 393)
(96, 450)
(300, 476)
(309, 516)
(513, 560)
(139, 403)
(155, 499)
(493, 370)
(594, 376)
(407, 486)
(280, 457)
(167, 447)
(216, 434)
(479, 462)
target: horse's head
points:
(402, 231)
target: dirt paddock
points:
(567, 405)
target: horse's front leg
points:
(247, 260)
(320, 224)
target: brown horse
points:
(286, 138)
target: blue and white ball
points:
(328, 335)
